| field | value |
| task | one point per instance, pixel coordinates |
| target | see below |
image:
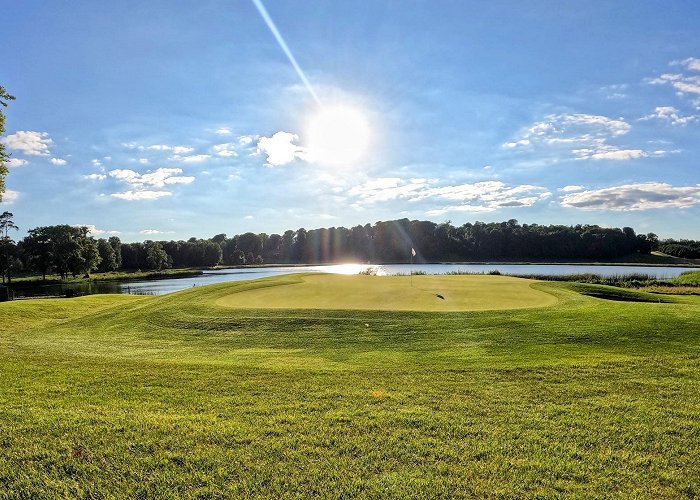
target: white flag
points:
(413, 252)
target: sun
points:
(338, 135)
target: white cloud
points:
(190, 159)
(682, 83)
(95, 177)
(609, 153)
(615, 91)
(9, 196)
(58, 161)
(570, 129)
(248, 217)
(671, 115)
(141, 195)
(571, 189)
(154, 231)
(484, 196)
(97, 232)
(581, 136)
(246, 140)
(633, 197)
(691, 63)
(158, 178)
(96, 163)
(143, 161)
(223, 131)
(29, 142)
(280, 148)
(15, 162)
(225, 150)
(178, 150)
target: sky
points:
(171, 119)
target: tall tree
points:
(4, 99)
(108, 260)
(116, 245)
(8, 248)
(6, 223)
(156, 258)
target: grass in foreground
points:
(176, 396)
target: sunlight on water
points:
(345, 268)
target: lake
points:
(160, 287)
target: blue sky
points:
(171, 119)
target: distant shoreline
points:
(31, 281)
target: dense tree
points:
(64, 249)
(116, 245)
(108, 260)
(45, 249)
(686, 249)
(156, 258)
(5, 98)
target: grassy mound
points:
(688, 278)
(614, 293)
(389, 293)
(176, 396)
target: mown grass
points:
(169, 396)
(391, 293)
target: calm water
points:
(159, 287)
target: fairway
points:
(177, 396)
(390, 293)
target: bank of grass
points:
(688, 278)
(167, 396)
(108, 276)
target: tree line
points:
(71, 251)
(686, 249)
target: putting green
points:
(389, 293)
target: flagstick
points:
(411, 268)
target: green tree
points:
(116, 245)
(37, 246)
(8, 248)
(66, 249)
(156, 258)
(6, 223)
(108, 261)
(4, 99)
(8, 254)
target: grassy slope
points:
(175, 396)
(391, 293)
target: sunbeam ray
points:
(275, 32)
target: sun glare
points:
(338, 135)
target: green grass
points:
(168, 396)
(390, 293)
(688, 278)
(108, 276)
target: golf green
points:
(390, 293)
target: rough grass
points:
(389, 293)
(142, 397)
(688, 278)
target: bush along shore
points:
(109, 276)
